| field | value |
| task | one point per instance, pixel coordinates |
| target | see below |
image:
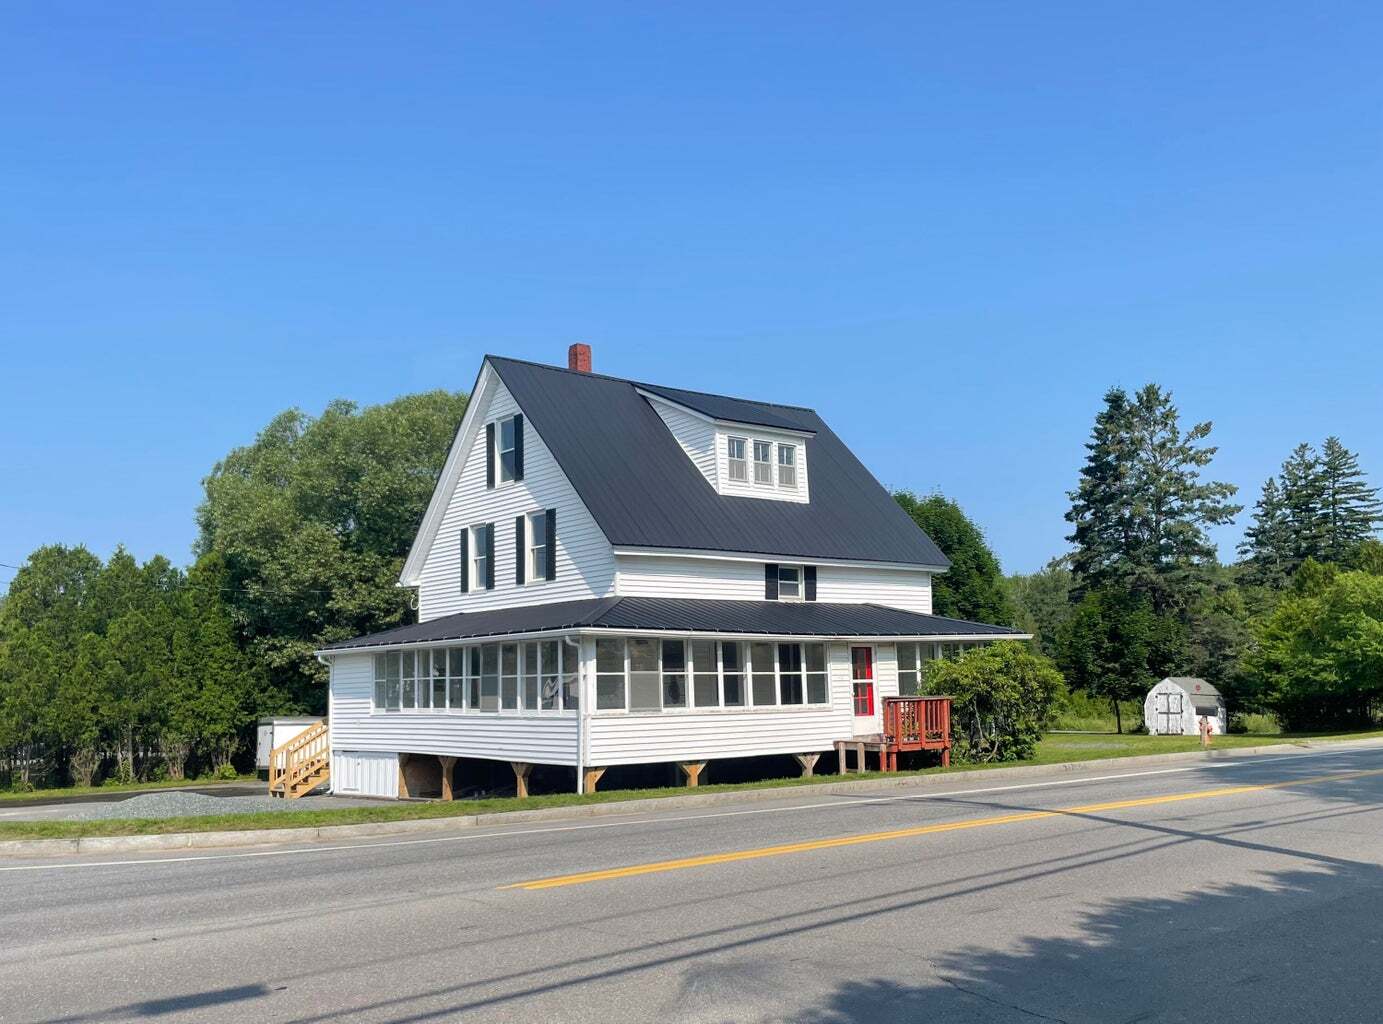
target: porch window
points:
(456, 678)
(705, 674)
(739, 465)
(762, 674)
(912, 665)
(674, 674)
(644, 683)
(387, 681)
(509, 677)
(816, 674)
(489, 677)
(550, 666)
(424, 679)
(732, 662)
(528, 690)
(609, 675)
(790, 689)
(408, 684)
(569, 665)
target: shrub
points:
(226, 772)
(1001, 699)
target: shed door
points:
(1169, 719)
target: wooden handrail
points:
(292, 762)
(918, 720)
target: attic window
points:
(763, 464)
(739, 466)
(787, 465)
(506, 448)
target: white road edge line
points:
(823, 805)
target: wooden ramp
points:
(302, 764)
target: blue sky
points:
(948, 227)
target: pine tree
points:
(1350, 509)
(1303, 496)
(1267, 546)
(1141, 511)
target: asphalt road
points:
(1249, 889)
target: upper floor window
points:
(481, 575)
(739, 465)
(787, 465)
(538, 542)
(789, 583)
(763, 462)
(506, 449)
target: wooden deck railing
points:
(918, 723)
(301, 764)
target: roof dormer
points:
(747, 460)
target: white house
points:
(1174, 707)
(618, 573)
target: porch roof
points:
(684, 615)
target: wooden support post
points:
(692, 770)
(807, 762)
(447, 764)
(946, 756)
(403, 777)
(592, 779)
(522, 769)
(840, 756)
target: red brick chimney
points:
(579, 358)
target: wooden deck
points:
(910, 723)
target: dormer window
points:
(739, 465)
(763, 463)
(787, 465)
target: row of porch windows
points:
(913, 658)
(638, 674)
(534, 676)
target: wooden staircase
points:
(302, 764)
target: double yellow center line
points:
(681, 863)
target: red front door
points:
(862, 672)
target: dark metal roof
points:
(682, 615)
(644, 492)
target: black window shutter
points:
(465, 559)
(490, 556)
(489, 455)
(809, 582)
(771, 581)
(552, 543)
(518, 446)
(518, 550)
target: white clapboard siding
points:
(678, 736)
(706, 578)
(895, 588)
(543, 739)
(585, 563)
(365, 773)
(724, 579)
(696, 435)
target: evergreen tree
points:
(1351, 509)
(1303, 496)
(1267, 546)
(1141, 511)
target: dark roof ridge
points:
(650, 385)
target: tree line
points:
(117, 669)
(134, 672)
(1292, 629)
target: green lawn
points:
(1055, 748)
(121, 787)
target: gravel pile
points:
(179, 805)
